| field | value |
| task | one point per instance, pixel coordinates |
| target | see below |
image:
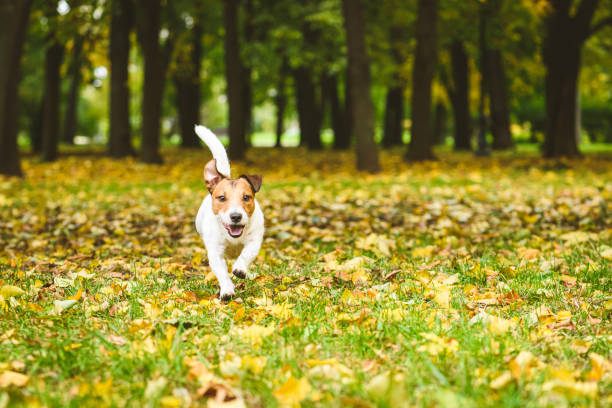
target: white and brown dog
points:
(230, 220)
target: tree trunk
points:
(51, 113)
(498, 97)
(425, 60)
(281, 101)
(36, 127)
(74, 73)
(119, 139)
(13, 25)
(247, 86)
(394, 116)
(234, 72)
(565, 36)
(187, 84)
(308, 109)
(155, 64)
(361, 99)
(460, 98)
(440, 124)
(338, 115)
(483, 17)
(348, 115)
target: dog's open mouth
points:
(234, 230)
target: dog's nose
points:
(235, 217)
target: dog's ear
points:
(254, 180)
(211, 175)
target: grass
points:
(458, 283)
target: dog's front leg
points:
(248, 254)
(219, 268)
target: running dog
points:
(230, 220)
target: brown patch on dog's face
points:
(231, 193)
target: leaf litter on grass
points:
(462, 282)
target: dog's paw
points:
(239, 273)
(226, 293)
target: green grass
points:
(463, 241)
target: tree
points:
(187, 78)
(156, 57)
(568, 25)
(309, 107)
(498, 98)
(361, 99)
(394, 105)
(280, 100)
(51, 107)
(459, 92)
(119, 139)
(425, 60)
(337, 111)
(74, 73)
(13, 24)
(234, 72)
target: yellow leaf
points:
(254, 364)
(606, 253)
(292, 392)
(423, 252)
(580, 346)
(438, 345)
(77, 295)
(577, 237)
(501, 381)
(599, 366)
(572, 388)
(9, 378)
(8, 291)
(239, 313)
(442, 296)
(251, 334)
(519, 366)
(170, 401)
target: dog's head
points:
(233, 200)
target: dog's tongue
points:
(235, 230)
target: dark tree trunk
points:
(361, 99)
(13, 25)
(440, 123)
(51, 112)
(498, 97)
(120, 134)
(247, 87)
(425, 60)
(460, 98)
(393, 128)
(565, 36)
(338, 115)
(345, 143)
(281, 101)
(394, 117)
(74, 73)
(187, 83)
(234, 71)
(308, 109)
(36, 127)
(483, 149)
(156, 57)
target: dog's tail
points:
(216, 148)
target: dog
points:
(230, 220)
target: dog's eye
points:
(221, 198)
(246, 197)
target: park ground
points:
(459, 283)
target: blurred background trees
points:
(131, 76)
